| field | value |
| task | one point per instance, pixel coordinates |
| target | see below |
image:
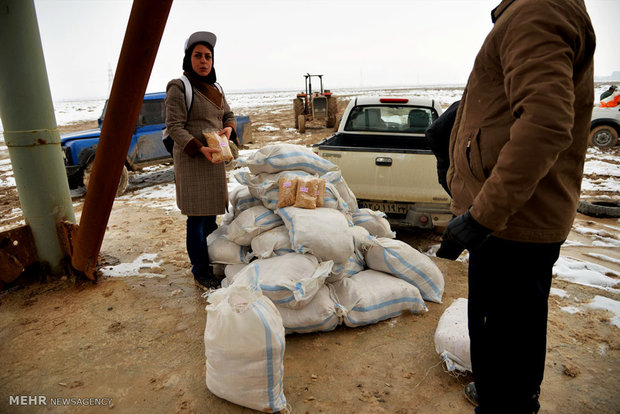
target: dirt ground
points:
(138, 340)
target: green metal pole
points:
(30, 130)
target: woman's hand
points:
(206, 151)
(225, 131)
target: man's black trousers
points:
(509, 285)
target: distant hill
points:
(615, 76)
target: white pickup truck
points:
(386, 161)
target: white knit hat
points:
(208, 37)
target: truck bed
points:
(375, 142)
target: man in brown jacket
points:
(517, 153)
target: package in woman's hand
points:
(218, 141)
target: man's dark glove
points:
(463, 232)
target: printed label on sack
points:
(287, 184)
(303, 189)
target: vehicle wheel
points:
(122, 184)
(603, 136)
(298, 108)
(301, 121)
(332, 112)
(599, 207)
(235, 153)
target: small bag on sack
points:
(244, 348)
(216, 141)
(307, 188)
(287, 191)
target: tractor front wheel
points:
(298, 109)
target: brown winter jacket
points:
(518, 145)
(201, 187)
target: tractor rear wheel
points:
(298, 108)
(301, 121)
(332, 112)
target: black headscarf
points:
(211, 78)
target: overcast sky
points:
(270, 44)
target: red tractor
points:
(315, 106)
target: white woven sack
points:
(231, 270)
(403, 261)
(322, 232)
(352, 266)
(244, 347)
(452, 337)
(373, 221)
(290, 280)
(317, 316)
(361, 237)
(250, 223)
(335, 178)
(370, 296)
(265, 186)
(222, 250)
(283, 157)
(274, 242)
(332, 198)
(240, 199)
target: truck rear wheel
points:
(122, 184)
(298, 109)
(301, 121)
(603, 136)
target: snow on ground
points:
(144, 261)
(585, 273)
(610, 305)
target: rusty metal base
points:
(19, 259)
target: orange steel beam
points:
(144, 31)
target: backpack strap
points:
(189, 92)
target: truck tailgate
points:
(392, 176)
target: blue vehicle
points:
(146, 146)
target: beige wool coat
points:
(201, 188)
(519, 141)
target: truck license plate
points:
(385, 207)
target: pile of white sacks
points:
(300, 270)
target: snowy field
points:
(153, 187)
